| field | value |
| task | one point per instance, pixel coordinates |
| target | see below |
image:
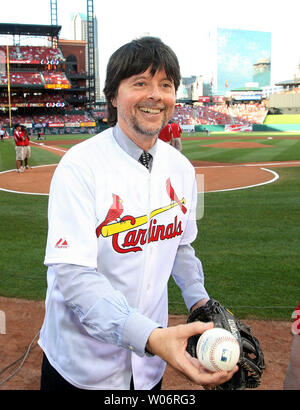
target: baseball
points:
(218, 349)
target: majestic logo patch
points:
(62, 243)
(113, 224)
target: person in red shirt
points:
(292, 377)
(166, 134)
(26, 149)
(19, 141)
(176, 131)
(171, 134)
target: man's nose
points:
(154, 92)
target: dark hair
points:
(134, 58)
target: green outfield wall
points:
(210, 128)
(255, 127)
(276, 127)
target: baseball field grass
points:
(270, 149)
(248, 240)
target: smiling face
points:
(145, 104)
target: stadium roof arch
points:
(295, 81)
(30, 29)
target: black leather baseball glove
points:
(251, 362)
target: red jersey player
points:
(19, 141)
(171, 134)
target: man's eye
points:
(140, 84)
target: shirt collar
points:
(128, 145)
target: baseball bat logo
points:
(114, 224)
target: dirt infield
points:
(24, 318)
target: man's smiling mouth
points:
(151, 110)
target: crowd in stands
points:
(22, 78)
(185, 115)
(46, 119)
(55, 77)
(43, 98)
(220, 114)
(33, 55)
(34, 78)
(248, 113)
(99, 115)
(32, 98)
(77, 118)
(16, 119)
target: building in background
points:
(190, 88)
(262, 72)
(79, 32)
(243, 56)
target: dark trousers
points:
(51, 380)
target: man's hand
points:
(170, 344)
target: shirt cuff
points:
(136, 332)
(193, 294)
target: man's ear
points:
(114, 102)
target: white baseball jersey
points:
(107, 211)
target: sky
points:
(187, 26)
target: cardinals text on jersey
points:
(114, 224)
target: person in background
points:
(171, 135)
(19, 142)
(176, 135)
(26, 149)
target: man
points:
(26, 149)
(19, 142)
(117, 230)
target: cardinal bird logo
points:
(113, 214)
(173, 196)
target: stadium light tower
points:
(53, 11)
(90, 43)
(91, 52)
